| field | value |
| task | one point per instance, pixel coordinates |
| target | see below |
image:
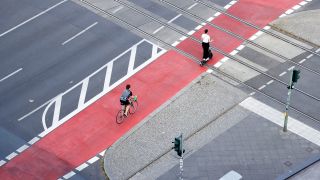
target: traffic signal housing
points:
(295, 75)
(178, 145)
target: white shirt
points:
(205, 38)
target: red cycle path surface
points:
(94, 129)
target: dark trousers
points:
(205, 47)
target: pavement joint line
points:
(191, 32)
(22, 148)
(283, 73)
(82, 166)
(309, 56)
(79, 33)
(69, 175)
(290, 68)
(217, 14)
(32, 18)
(276, 117)
(11, 74)
(269, 82)
(2, 162)
(193, 5)
(263, 86)
(12, 155)
(93, 160)
(303, 60)
(183, 38)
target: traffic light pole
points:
(181, 159)
(290, 87)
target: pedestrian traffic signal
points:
(295, 76)
(178, 145)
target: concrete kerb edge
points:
(146, 119)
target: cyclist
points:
(124, 99)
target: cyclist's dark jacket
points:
(124, 99)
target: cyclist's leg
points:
(127, 108)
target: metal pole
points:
(181, 160)
(290, 87)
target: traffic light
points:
(178, 145)
(295, 75)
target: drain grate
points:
(288, 163)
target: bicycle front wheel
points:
(133, 107)
(120, 117)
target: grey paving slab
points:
(311, 173)
(94, 171)
(221, 3)
(255, 148)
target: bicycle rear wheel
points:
(120, 117)
(133, 107)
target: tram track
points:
(196, 60)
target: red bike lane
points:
(94, 129)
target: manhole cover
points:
(288, 163)
(309, 149)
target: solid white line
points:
(78, 34)
(117, 9)
(92, 160)
(22, 148)
(283, 73)
(277, 117)
(303, 60)
(132, 58)
(271, 81)
(157, 30)
(23, 117)
(12, 155)
(82, 166)
(290, 68)
(174, 18)
(69, 175)
(309, 56)
(193, 5)
(263, 86)
(32, 18)
(2, 162)
(34, 140)
(83, 93)
(108, 76)
(11, 74)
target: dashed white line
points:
(318, 50)
(239, 48)
(78, 34)
(234, 52)
(175, 43)
(224, 59)
(102, 153)
(303, 3)
(303, 60)
(210, 19)
(198, 27)
(282, 15)
(253, 37)
(32, 18)
(227, 6)
(191, 32)
(271, 81)
(309, 56)
(117, 9)
(157, 30)
(2, 162)
(266, 27)
(82, 166)
(290, 68)
(12, 155)
(296, 7)
(259, 33)
(263, 86)
(22, 148)
(289, 11)
(183, 38)
(34, 140)
(174, 18)
(253, 93)
(92, 160)
(218, 64)
(193, 5)
(283, 73)
(11, 74)
(232, 2)
(209, 71)
(217, 14)
(69, 175)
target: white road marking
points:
(253, 93)
(234, 52)
(282, 15)
(231, 175)
(266, 27)
(227, 6)
(283, 73)
(224, 59)
(209, 71)
(289, 11)
(22, 148)
(290, 68)
(93, 160)
(108, 76)
(303, 3)
(191, 32)
(157, 30)
(82, 166)
(277, 117)
(78, 34)
(218, 64)
(175, 43)
(239, 48)
(296, 7)
(171, 20)
(253, 37)
(217, 14)
(102, 153)
(263, 86)
(302, 61)
(271, 81)
(183, 38)
(2, 162)
(56, 112)
(83, 93)
(318, 50)
(259, 33)
(232, 2)
(193, 5)
(210, 19)
(12, 155)
(32, 18)
(309, 56)
(198, 27)
(117, 9)
(11, 74)
(69, 175)
(132, 58)
(34, 140)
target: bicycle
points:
(133, 107)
